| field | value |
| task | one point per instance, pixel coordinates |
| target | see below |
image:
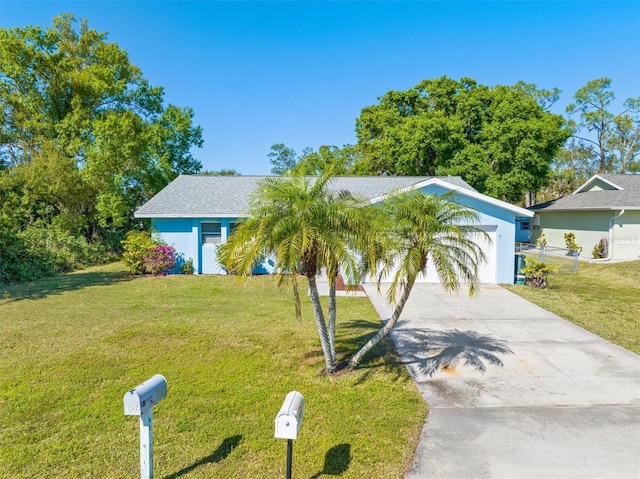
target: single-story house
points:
(604, 207)
(196, 213)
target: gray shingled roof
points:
(627, 182)
(627, 198)
(194, 196)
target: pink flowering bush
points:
(160, 259)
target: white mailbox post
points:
(139, 401)
(288, 422)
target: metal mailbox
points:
(142, 398)
(289, 418)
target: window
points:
(232, 226)
(210, 233)
(525, 225)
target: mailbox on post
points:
(139, 401)
(290, 416)
(288, 422)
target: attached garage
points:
(196, 213)
(486, 271)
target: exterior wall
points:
(184, 234)
(626, 236)
(590, 227)
(599, 185)
(505, 231)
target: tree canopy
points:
(72, 102)
(607, 142)
(328, 158)
(500, 139)
(84, 137)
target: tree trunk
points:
(320, 323)
(332, 321)
(355, 360)
(602, 153)
(296, 299)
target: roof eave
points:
(594, 178)
(464, 191)
(189, 215)
(591, 208)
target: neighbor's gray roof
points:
(628, 197)
(194, 196)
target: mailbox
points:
(290, 416)
(140, 399)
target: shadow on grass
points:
(336, 461)
(384, 356)
(59, 284)
(224, 449)
(431, 351)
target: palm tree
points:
(306, 226)
(422, 227)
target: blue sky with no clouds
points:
(259, 73)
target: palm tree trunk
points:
(296, 299)
(320, 323)
(332, 320)
(355, 360)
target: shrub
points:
(541, 241)
(187, 267)
(136, 245)
(570, 242)
(160, 259)
(536, 272)
(65, 251)
(18, 262)
(43, 250)
(601, 249)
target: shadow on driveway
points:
(430, 351)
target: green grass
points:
(602, 298)
(73, 345)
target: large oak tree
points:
(83, 135)
(500, 139)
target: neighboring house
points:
(197, 213)
(605, 207)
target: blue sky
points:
(259, 73)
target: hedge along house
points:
(604, 207)
(197, 213)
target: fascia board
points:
(463, 191)
(190, 215)
(591, 208)
(594, 178)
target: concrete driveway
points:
(515, 391)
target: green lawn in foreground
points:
(73, 345)
(603, 298)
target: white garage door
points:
(486, 270)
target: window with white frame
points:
(210, 232)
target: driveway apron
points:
(515, 391)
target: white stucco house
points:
(196, 213)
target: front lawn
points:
(602, 298)
(73, 345)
